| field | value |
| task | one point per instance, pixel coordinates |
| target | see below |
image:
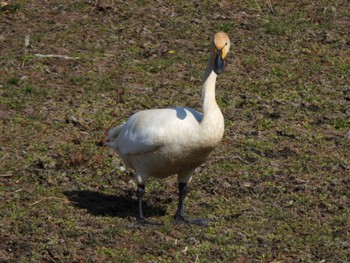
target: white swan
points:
(164, 142)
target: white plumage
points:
(165, 142)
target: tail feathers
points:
(113, 134)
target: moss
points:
(275, 188)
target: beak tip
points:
(218, 71)
(218, 63)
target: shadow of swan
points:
(101, 204)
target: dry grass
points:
(277, 188)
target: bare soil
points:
(277, 189)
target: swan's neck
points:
(208, 93)
(213, 121)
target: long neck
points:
(212, 116)
(208, 92)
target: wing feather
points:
(148, 130)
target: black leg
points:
(141, 221)
(140, 192)
(180, 213)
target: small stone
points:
(247, 184)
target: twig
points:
(223, 197)
(270, 6)
(6, 175)
(48, 255)
(48, 198)
(55, 56)
(257, 5)
(26, 41)
(4, 157)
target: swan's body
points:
(165, 142)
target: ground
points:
(277, 189)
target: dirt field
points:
(277, 189)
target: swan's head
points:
(221, 45)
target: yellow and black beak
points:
(218, 62)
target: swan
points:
(174, 141)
